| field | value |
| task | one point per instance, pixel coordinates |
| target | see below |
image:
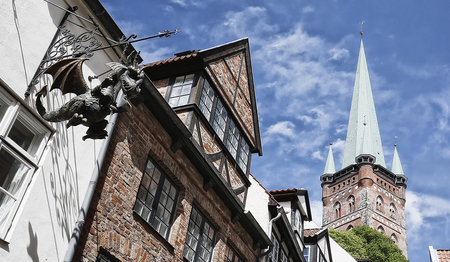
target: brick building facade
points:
(174, 182)
(364, 192)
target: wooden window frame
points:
(156, 198)
(211, 119)
(235, 256)
(16, 112)
(172, 86)
(200, 238)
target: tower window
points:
(392, 210)
(351, 203)
(380, 229)
(379, 204)
(337, 210)
(394, 238)
(349, 227)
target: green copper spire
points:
(329, 166)
(362, 116)
(396, 164)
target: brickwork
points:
(235, 89)
(374, 196)
(111, 222)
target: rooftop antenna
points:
(362, 32)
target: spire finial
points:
(362, 32)
(395, 141)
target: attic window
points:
(181, 90)
(225, 127)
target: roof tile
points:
(443, 255)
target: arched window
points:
(392, 210)
(337, 209)
(351, 203)
(380, 229)
(379, 203)
(394, 238)
(349, 227)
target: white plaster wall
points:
(45, 220)
(287, 209)
(339, 254)
(257, 203)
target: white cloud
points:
(179, 2)
(317, 155)
(283, 128)
(422, 211)
(251, 22)
(337, 54)
(308, 9)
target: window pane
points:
(164, 209)
(231, 255)
(12, 172)
(206, 99)
(201, 238)
(181, 90)
(243, 155)
(220, 119)
(155, 208)
(3, 108)
(21, 135)
(276, 247)
(233, 139)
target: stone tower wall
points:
(365, 186)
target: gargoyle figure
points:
(91, 106)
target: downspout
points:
(269, 249)
(91, 187)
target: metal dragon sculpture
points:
(90, 107)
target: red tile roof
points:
(289, 190)
(443, 255)
(310, 232)
(171, 60)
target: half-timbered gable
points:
(212, 92)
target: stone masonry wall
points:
(366, 186)
(111, 223)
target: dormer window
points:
(233, 139)
(206, 100)
(220, 120)
(181, 90)
(225, 127)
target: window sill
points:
(155, 233)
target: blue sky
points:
(304, 56)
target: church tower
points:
(364, 191)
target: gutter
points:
(278, 216)
(73, 242)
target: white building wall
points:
(45, 220)
(257, 200)
(339, 254)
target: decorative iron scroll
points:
(67, 44)
(81, 45)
